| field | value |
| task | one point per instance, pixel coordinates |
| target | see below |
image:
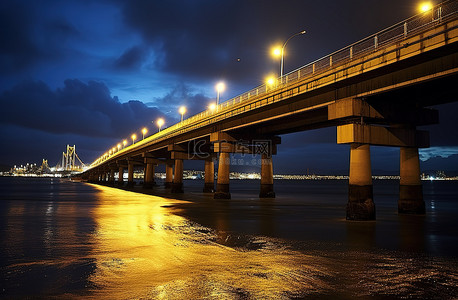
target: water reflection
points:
(142, 250)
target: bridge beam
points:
(410, 188)
(381, 112)
(209, 185)
(360, 205)
(382, 136)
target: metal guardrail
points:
(375, 42)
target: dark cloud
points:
(79, 108)
(181, 95)
(131, 59)
(203, 39)
(18, 49)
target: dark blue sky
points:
(92, 72)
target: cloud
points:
(80, 108)
(131, 59)
(204, 39)
(18, 50)
(443, 152)
(181, 95)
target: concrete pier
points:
(121, 176)
(360, 204)
(222, 183)
(177, 186)
(169, 174)
(209, 185)
(410, 188)
(130, 174)
(111, 179)
(267, 178)
(148, 181)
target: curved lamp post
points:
(281, 51)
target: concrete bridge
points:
(376, 92)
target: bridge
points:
(375, 92)
(69, 162)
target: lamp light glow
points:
(159, 123)
(425, 7)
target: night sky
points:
(92, 72)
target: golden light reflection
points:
(143, 250)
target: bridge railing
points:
(375, 42)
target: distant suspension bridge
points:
(70, 161)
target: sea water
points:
(64, 239)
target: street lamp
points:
(425, 7)
(270, 81)
(281, 51)
(134, 137)
(182, 111)
(124, 143)
(220, 87)
(119, 146)
(144, 131)
(159, 123)
(212, 107)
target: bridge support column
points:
(148, 180)
(130, 174)
(360, 204)
(410, 189)
(121, 176)
(177, 186)
(267, 177)
(209, 185)
(168, 174)
(222, 183)
(111, 178)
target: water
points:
(62, 239)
